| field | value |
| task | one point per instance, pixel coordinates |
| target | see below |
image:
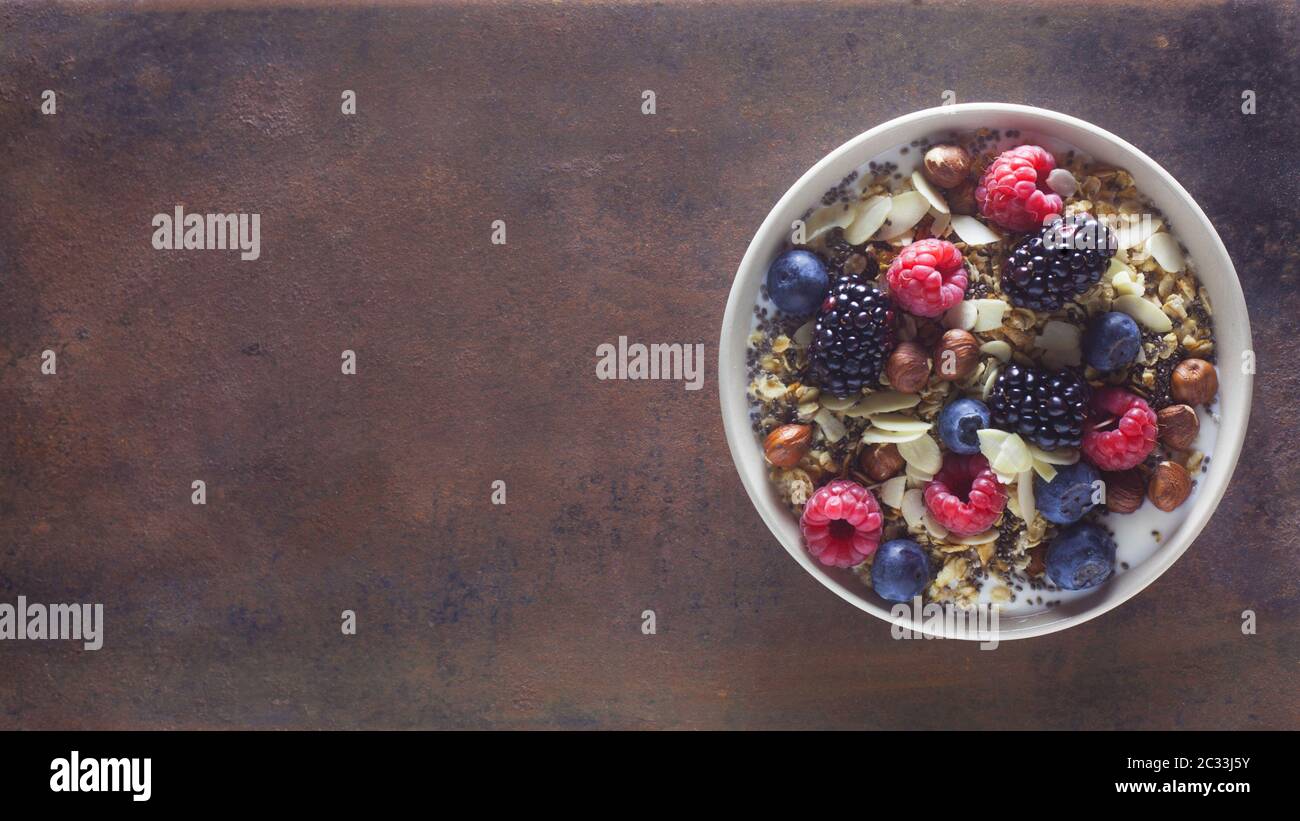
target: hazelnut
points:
(961, 200)
(1125, 491)
(1037, 561)
(881, 462)
(956, 355)
(1170, 486)
(1178, 426)
(1194, 382)
(786, 445)
(946, 165)
(908, 368)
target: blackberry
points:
(1045, 407)
(853, 337)
(1065, 258)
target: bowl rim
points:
(732, 372)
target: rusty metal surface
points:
(476, 362)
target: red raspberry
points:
(1013, 191)
(928, 277)
(841, 524)
(1121, 430)
(965, 496)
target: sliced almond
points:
(1012, 457)
(913, 507)
(918, 476)
(899, 422)
(963, 315)
(1061, 344)
(906, 210)
(1165, 249)
(871, 214)
(824, 219)
(876, 436)
(1025, 495)
(936, 530)
(1132, 230)
(997, 348)
(1061, 456)
(1146, 313)
(920, 183)
(1044, 469)
(891, 492)
(836, 403)
(973, 232)
(989, 313)
(990, 535)
(803, 336)
(939, 227)
(922, 452)
(989, 382)
(832, 428)
(883, 402)
(1116, 266)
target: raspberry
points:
(965, 495)
(1121, 430)
(841, 524)
(1013, 191)
(928, 277)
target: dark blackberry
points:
(1065, 258)
(1045, 407)
(853, 337)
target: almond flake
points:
(1168, 255)
(920, 183)
(883, 402)
(973, 232)
(963, 315)
(870, 216)
(891, 492)
(923, 452)
(1146, 313)
(906, 211)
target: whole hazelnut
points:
(1170, 486)
(961, 200)
(1125, 490)
(881, 462)
(946, 165)
(1178, 426)
(908, 368)
(786, 445)
(1194, 381)
(956, 355)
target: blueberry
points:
(1068, 496)
(960, 421)
(901, 570)
(797, 282)
(1080, 557)
(1112, 341)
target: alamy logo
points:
(75, 774)
(684, 363)
(208, 232)
(78, 622)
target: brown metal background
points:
(476, 362)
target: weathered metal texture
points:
(476, 362)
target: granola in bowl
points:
(983, 371)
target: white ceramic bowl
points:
(1210, 261)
